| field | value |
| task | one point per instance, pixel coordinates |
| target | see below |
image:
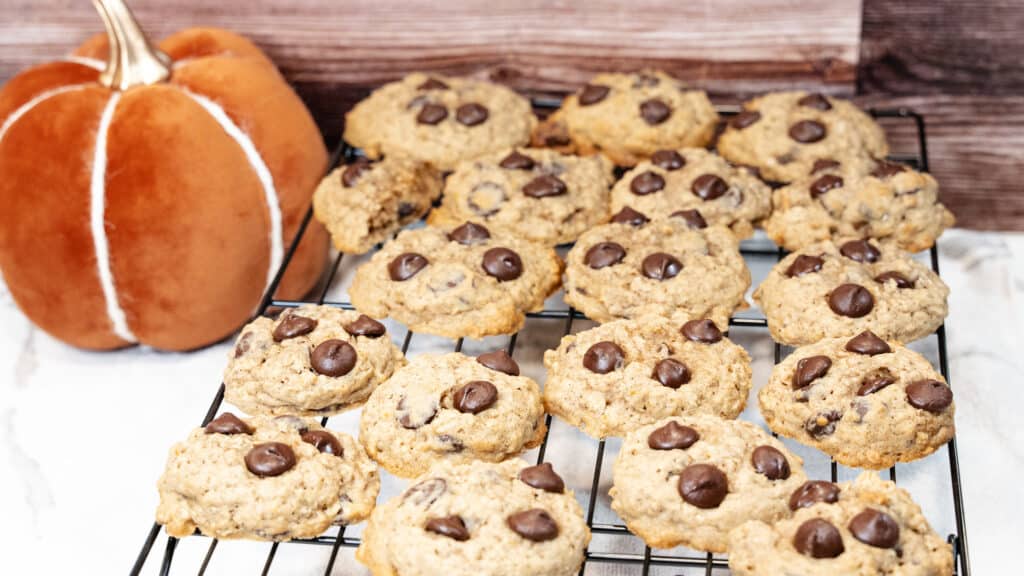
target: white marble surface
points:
(83, 436)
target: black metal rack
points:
(645, 561)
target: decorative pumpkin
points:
(148, 195)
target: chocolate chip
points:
(823, 164)
(406, 265)
(930, 395)
(323, 441)
(646, 183)
(592, 94)
(671, 373)
(875, 528)
(517, 161)
(351, 174)
(270, 459)
(475, 397)
(500, 361)
(469, 233)
(824, 184)
(816, 101)
(629, 216)
(672, 436)
(770, 462)
(875, 381)
(692, 218)
(744, 118)
(804, 264)
(901, 281)
(851, 300)
(413, 417)
(668, 160)
(486, 198)
(405, 209)
(860, 251)
(807, 131)
(432, 84)
(703, 331)
(365, 326)
(242, 347)
(604, 357)
(703, 485)
(661, 266)
(545, 185)
(810, 369)
(432, 114)
(813, 491)
(708, 187)
(818, 538)
(450, 526)
(604, 254)
(471, 114)
(543, 477)
(503, 264)
(292, 326)
(426, 492)
(654, 111)
(535, 525)
(228, 423)
(824, 424)
(868, 344)
(887, 169)
(333, 358)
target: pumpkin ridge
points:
(20, 111)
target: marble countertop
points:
(84, 436)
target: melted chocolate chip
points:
(860, 251)
(333, 358)
(293, 326)
(810, 369)
(671, 372)
(703, 485)
(270, 459)
(930, 395)
(693, 218)
(770, 462)
(823, 164)
(604, 357)
(901, 281)
(503, 264)
(469, 233)
(604, 254)
(816, 101)
(807, 131)
(668, 160)
(405, 209)
(486, 198)
(703, 331)
(545, 185)
(500, 361)
(646, 183)
(629, 216)
(228, 423)
(868, 344)
(824, 424)
(475, 397)
(887, 169)
(824, 184)
(672, 436)
(851, 300)
(450, 526)
(804, 264)
(813, 491)
(744, 118)
(426, 492)
(517, 161)
(471, 114)
(708, 187)
(542, 477)
(535, 525)
(818, 538)
(406, 265)
(432, 114)
(875, 381)
(875, 528)
(592, 94)
(351, 174)
(654, 111)
(365, 326)
(432, 84)
(243, 344)
(413, 417)
(323, 441)
(661, 266)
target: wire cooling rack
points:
(613, 549)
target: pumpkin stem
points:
(133, 61)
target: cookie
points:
(783, 134)
(838, 289)
(265, 479)
(440, 120)
(478, 518)
(466, 281)
(665, 267)
(454, 408)
(539, 195)
(628, 117)
(868, 526)
(624, 374)
(312, 360)
(866, 402)
(696, 181)
(892, 202)
(690, 480)
(365, 203)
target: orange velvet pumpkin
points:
(154, 212)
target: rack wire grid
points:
(612, 546)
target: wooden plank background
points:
(956, 62)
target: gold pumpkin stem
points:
(133, 61)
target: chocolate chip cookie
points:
(478, 518)
(621, 375)
(539, 195)
(868, 526)
(452, 407)
(265, 479)
(365, 203)
(440, 120)
(783, 134)
(697, 182)
(669, 267)
(690, 480)
(312, 360)
(463, 281)
(891, 202)
(841, 289)
(864, 401)
(629, 117)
